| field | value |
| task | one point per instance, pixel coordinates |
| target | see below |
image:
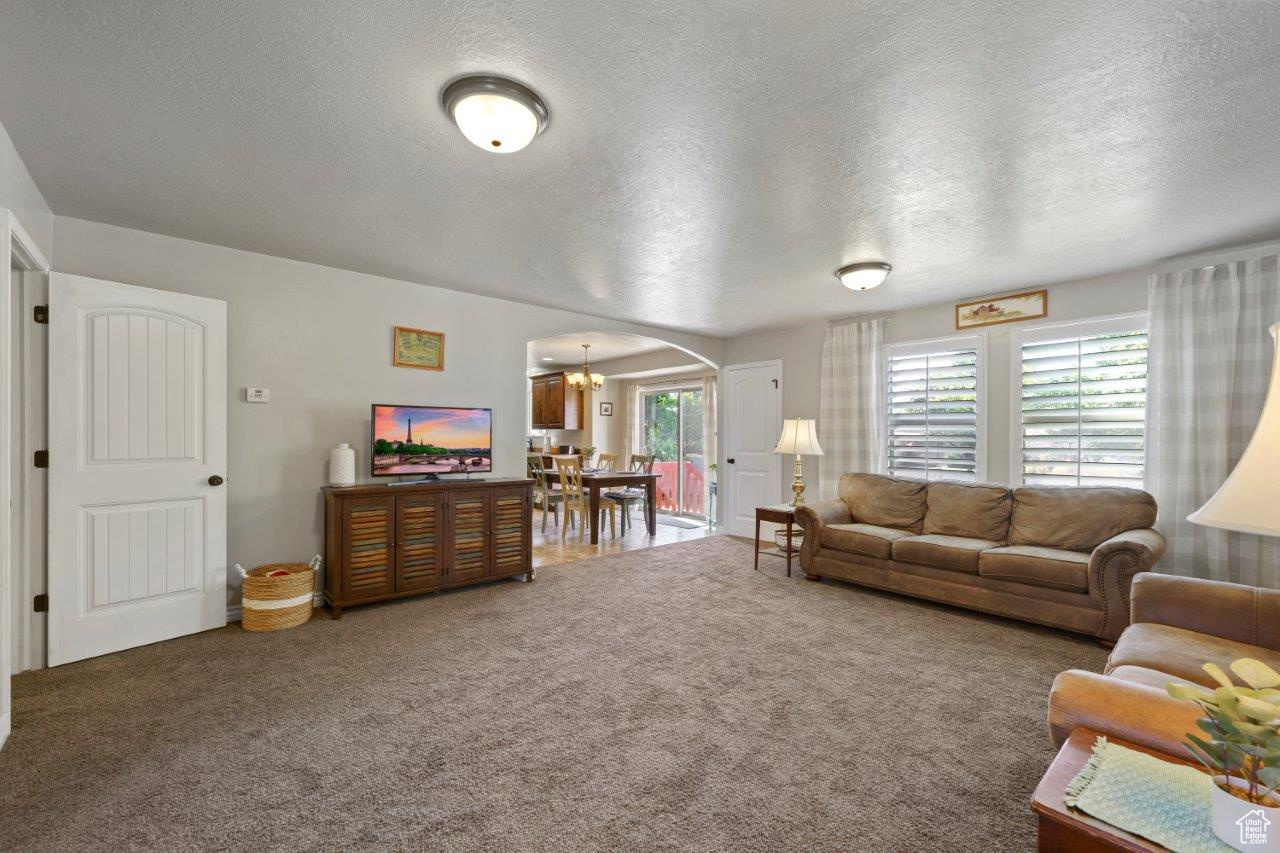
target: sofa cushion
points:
(971, 510)
(1180, 652)
(884, 501)
(1077, 519)
(959, 553)
(1050, 567)
(865, 539)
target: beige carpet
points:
(661, 699)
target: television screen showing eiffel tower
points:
(411, 440)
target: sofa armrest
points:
(1134, 712)
(1231, 611)
(1112, 567)
(812, 518)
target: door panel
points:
(418, 538)
(137, 426)
(368, 525)
(469, 553)
(753, 422)
(539, 392)
(511, 531)
(554, 410)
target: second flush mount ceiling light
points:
(494, 113)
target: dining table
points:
(597, 481)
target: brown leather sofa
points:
(1178, 624)
(1056, 556)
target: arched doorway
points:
(650, 398)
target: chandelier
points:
(581, 379)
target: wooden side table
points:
(778, 514)
(1063, 828)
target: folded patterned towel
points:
(1164, 802)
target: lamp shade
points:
(799, 436)
(1249, 501)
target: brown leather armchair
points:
(1177, 625)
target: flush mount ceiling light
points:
(496, 114)
(863, 276)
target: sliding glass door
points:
(673, 429)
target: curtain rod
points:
(692, 380)
(883, 315)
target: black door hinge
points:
(41, 459)
(40, 604)
(41, 314)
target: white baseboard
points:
(4, 728)
(234, 611)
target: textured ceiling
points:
(708, 164)
(567, 349)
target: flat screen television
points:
(409, 440)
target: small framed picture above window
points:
(1032, 305)
(606, 410)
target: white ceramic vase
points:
(1244, 825)
(342, 466)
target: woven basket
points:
(273, 604)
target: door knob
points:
(730, 460)
(216, 480)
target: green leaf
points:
(1263, 712)
(1255, 673)
(1208, 759)
(1216, 673)
(1256, 733)
(1270, 776)
(1233, 756)
(1189, 692)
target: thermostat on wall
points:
(257, 395)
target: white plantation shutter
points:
(1081, 413)
(934, 420)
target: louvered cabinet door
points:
(511, 531)
(418, 542)
(469, 543)
(368, 528)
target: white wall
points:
(320, 340)
(19, 193)
(800, 350)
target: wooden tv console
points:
(392, 541)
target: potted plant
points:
(1240, 745)
(588, 453)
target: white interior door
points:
(137, 449)
(753, 422)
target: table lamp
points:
(1248, 500)
(798, 437)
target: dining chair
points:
(545, 495)
(607, 461)
(626, 496)
(576, 499)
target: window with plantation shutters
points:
(1081, 414)
(934, 424)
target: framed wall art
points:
(417, 348)
(1031, 305)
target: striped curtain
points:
(1208, 371)
(851, 426)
